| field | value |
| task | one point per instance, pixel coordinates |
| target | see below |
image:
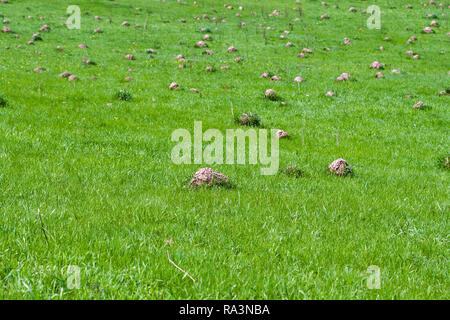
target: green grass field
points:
(112, 202)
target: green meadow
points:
(113, 204)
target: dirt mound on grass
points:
(208, 177)
(340, 167)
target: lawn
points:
(112, 203)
